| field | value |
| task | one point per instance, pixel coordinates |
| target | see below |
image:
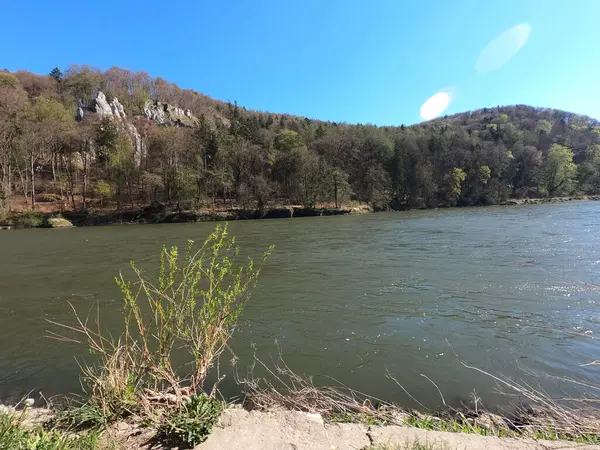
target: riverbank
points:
(538, 201)
(238, 428)
(242, 430)
(158, 213)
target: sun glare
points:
(436, 104)
(499, 51)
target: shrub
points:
(193, 305)
(32, 219)
(191, 423)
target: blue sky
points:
(372, 61)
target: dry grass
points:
(285, 389)
(549, 419)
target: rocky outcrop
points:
(166, 114)
(105, 109)
(138, 145)
(161, 113)
(115, 110)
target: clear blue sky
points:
(371, 61)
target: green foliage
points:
(104, 190)
(192, 305)
(287, 140)
(81, 415)
(232, 155)
(544, 126)
(13, 436)
(411, 445)
(559, 170)
(484, 174)
(8, 80)
(32, 219)
(191, 423)
(57, 74)
(454, 425)
(453, 182)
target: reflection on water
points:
(414, 293)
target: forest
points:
(82, 138)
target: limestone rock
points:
(101, 106)
(138, 145)
(165, 114)
(117, 108)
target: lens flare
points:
(499, 51)
(436, 104)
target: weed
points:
(80, 415)
(192, 422)
(410, 445)
(14, 436)
(192, 305)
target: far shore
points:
(158, 213)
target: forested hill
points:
(85, 139)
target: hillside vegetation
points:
(86, 138)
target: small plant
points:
(192, 422)
(81, 415)
(13, 436)
(192, 305)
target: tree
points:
(379, 188)
(227, 152)
(453, 184)
(337, 188)
(288, 140)
(49, 122)
(559, 170)
(56, 74)
(14, 108)
(588, 171)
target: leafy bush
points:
(192, 422)
(32, 219)
(193, 305)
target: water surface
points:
(351, 297)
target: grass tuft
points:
(191, 423)
(14, 436)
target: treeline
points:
(234, 157)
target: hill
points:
(86, 138)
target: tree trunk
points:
(32, 168)
(85, 180)
(130, 193)
(335, 190)
(53, 158)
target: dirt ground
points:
(289, 430)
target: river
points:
(350, 297)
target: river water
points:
(506, 289)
